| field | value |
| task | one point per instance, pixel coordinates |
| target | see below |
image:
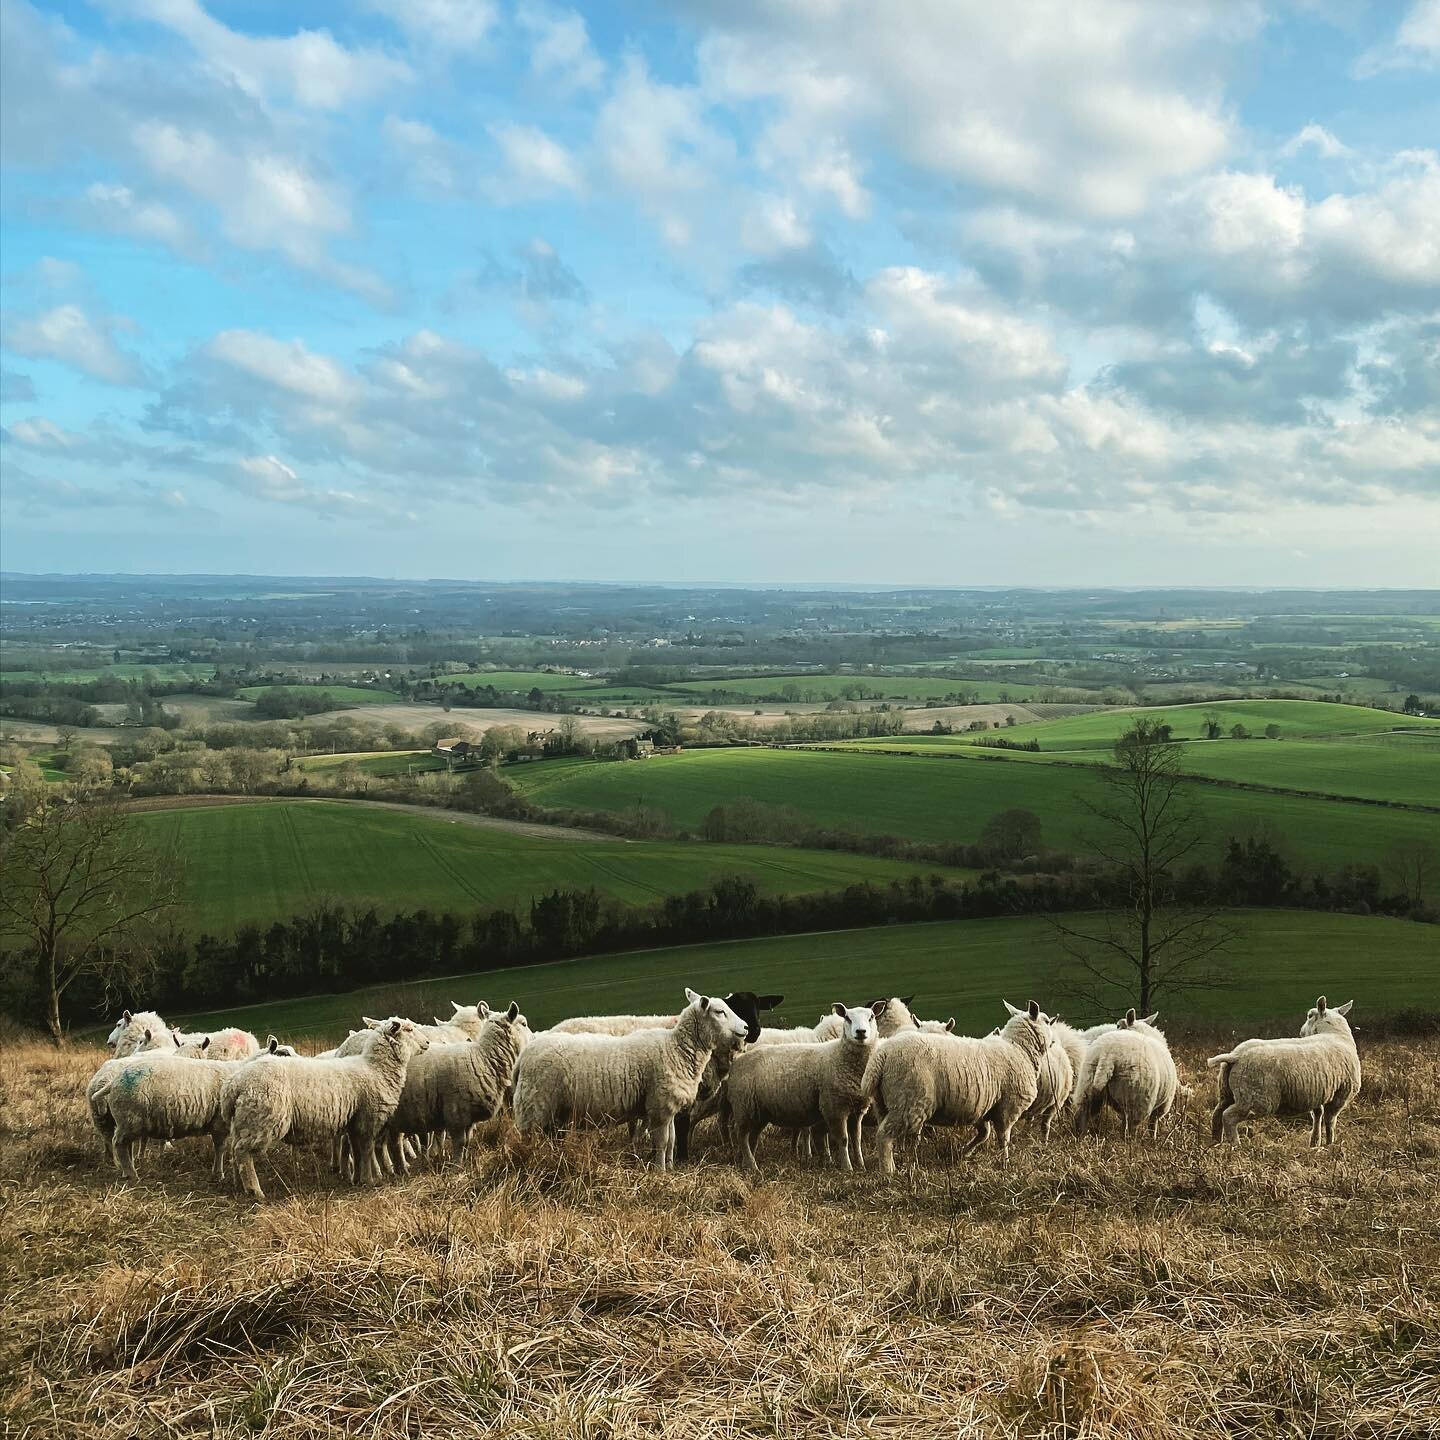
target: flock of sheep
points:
(398, 1089)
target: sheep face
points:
(725, 1022)
(1326, 1019)
(404, 1037)
(859, 1023)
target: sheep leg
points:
(981, 1135)
(245, 1173)
(885, 1139)
(1231, 1117)
(1005, 1132)
(217, 1169)
(1331, 1114)
(125, 1153)
(662, 1137)
(749, 1134)
(394, 1146)
(682, 1136)
(459, 1142)
(855, 1126)
(1217, 1124)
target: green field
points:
(934, 799)
(521, 680)
(126, 670)
(1297, 719)
(817, 689)
(341, 694)
(257, 862)
(962, 968)
(1382, 766)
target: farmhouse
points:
(454, 750)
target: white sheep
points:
(1316, 1073)
(649, 1075)
(1131, 1070)
(804, 1086)
(613, 1024)
(309, 1102)
(464, 1024)
(451, 1087)
(1075, 1043)
(919, 1078)
(143, 1030)
(937, 1027)
(1055, 1083)
(891, 1017)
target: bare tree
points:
(1411, 866)
(80, 888)
(1147, 827)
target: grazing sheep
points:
(309, 1102)
(919, 1078)
(612, 1024)
(1130, 1070)
(451, 1087)
(800, 1086)
(464, 1024)
(1075, 1043)
(1055, 1083)
(160, 1098)
(1316, 1073)
(649, 1075)
(144, 1030)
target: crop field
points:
(525, 680)
(253, 862)
(936, 799)
(913, 689)
(125, 670)
(956, 967)
(341, 694)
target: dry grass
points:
(1095, 1289)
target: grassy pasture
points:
(250, 863)
(810, 689)
(1095, 1289)
(524, 680)
(960, 967)
(934, 799)
(341, 694)
(1381, 766)
(1297, 719)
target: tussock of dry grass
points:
(1095, 1289)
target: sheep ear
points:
(838, 1008)
(272, 1044)
(371, 1022)
(1033, 1010)
(1345, 1008)
(907, 999)
(878, 1007)
(1320, 1004)
(457, 1008)
(127, 1017)
(147, 1034)
(513, 1010)
(767, 1002)
(205, 1043)
(1012, 1008)
(950, 1024)
(690, 996)
(1130, 1017)
(482, 1009)
(1151, 1019)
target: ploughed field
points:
(1096, 1288)
(256, 862)
(929, 798)
(954, 967)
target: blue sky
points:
(938, 291)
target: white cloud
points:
(68, 334)
(560, 51)
(309, 68)
(1317, 138)
(118, 209)
(283, 365)
(457, 27)
(534, 164)
(1416, 44)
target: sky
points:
(930, 291)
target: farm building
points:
(455, 750)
